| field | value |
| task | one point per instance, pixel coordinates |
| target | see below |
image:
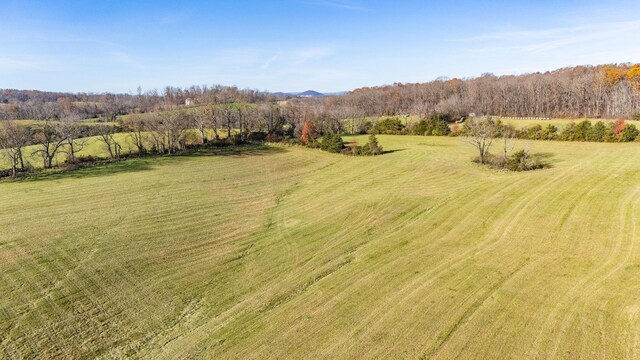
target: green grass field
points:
(287, 252)
(559, 123)
(349, 124)
(92, 147)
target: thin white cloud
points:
(126, 59)
(547, 40)
(304, 55)
(18, 64)
(270, 61)
(587, 25)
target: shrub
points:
(274, 138)
(214, 143)
(433, 125)
(85, 159)
(550, 132)
(635, 116)
(629, 133)
(598, 132)
(372, 147)
(294, 141)
(364, 128)
(236, 139)
(568, 133)
(455, 130)
(535, 132)
(6, 173)
(315, 144)
(522, 161)
(581, 130)
(610, 134)
(392, 126)
(257, 136)
(488, 159)
(332, 143)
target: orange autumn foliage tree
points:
(619, 126)
(308, 132)
(613, 75)
(633, 76)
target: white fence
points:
(524, 118)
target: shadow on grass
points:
(391, 151)
(355, 143)
(238, 151)
(92, 170)
(104, 168)
(547, 159)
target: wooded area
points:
(607, 91)
(584, 91)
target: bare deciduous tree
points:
(13, 138)
(213, 119)
(48, 141)
(106, 134)
(480, 133)
(72, 131)
(508, 135)
(136, 126)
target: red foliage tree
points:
(308, 132)
(617, 130)
(455, 130)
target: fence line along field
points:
(287, 252)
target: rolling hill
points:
(287, 252)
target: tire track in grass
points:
(524, 209)
(468, 313)
(346, 228)
(505, 230)
(418, 284)
(388, 236)
(201, 332)
(588, 287)
(192, 261)
(557, 199)
(628, 214)
(392, 301)
(508, 230)
(58, 256)
(583, 198)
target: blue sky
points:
(295, 45)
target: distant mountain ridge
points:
(308, 93)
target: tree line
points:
(161, 132)
(40, 105)
(607, 91)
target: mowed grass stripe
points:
(298, 253)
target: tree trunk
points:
(72, 152)
(14, 164)
(20, 158)
(204, 136)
